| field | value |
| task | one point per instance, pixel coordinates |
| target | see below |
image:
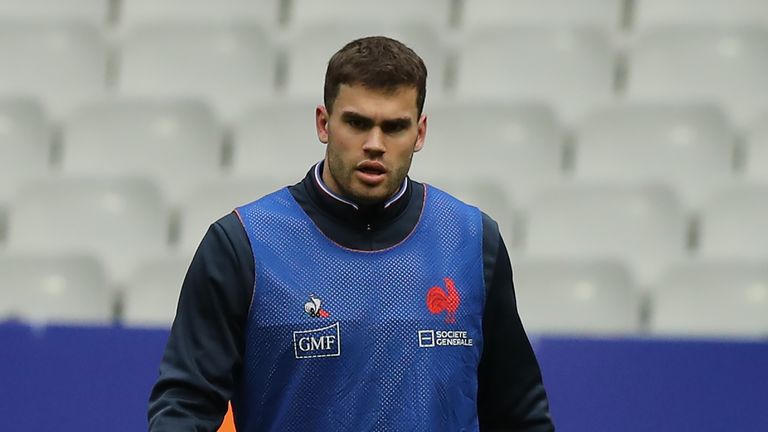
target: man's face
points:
(371, 137)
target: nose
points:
(374, 142)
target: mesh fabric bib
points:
(346, 340)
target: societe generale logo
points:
(439, 301)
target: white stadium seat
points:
(229, 67)
(92, 11)
(152, 293)
(43, 289)
(556, 13)
(177, 144)
(277, 140)
(702, 64)
(651, 13)
(25, 141)
(576, 297)
(572, 70)
(212, 201)
(518, 146)
(62, 64)
(757, 150)
(712, 299)
(434, 13)
(311, 48)
(733, 224)
(119, 220)
(643, 226)
(264, 12)
(689, 148)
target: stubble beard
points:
(344, 177)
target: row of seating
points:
(693, 149)
(611, 14)
(235, 66)
(709, 298)
(125, 221)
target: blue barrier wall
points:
(75, 379)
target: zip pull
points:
(368, 227)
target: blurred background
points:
(622, 145)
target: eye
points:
(357, 123)
(394, 128)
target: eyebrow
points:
(402, 122)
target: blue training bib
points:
(346, 340)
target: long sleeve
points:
(205, 349)
(511, 395)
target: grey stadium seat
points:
(702, 64)
(277, 140)
(92, 11)
(712, 299)
(518, 146)
(433, 13)
(227, 66)
(555, 13)
(39, 289)
(152, 292)
(641, 226)
(137, 12)
(25, 144)
(529, 64)
(121, 221)
(577, 297)
(757, 150)
(687, 147)
(650, 13)
(175, 143)
(62, 64)
(733, 224)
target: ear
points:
(422, 133)
(321, 123)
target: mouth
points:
(371, 173)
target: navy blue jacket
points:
(204, 354)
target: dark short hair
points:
(376, 62)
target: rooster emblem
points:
(438, 301)
(313, 308)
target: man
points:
(357, 299)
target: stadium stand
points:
(62, 64)
(91, 11)
(25, 144)
(577, 297)
(518, 146)
(42, 289)
(651, 13)
(530, 64)
(712, 298)
(606, 14)
(152, 292)
(733, 224)
(688, 148)
(227, 66)
(643, 226)
(121, 221)
(176, 144)
(136, 12)
(757, 150)
(433, 13)
(702, 64)
(267, 141)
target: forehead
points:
(376, 103)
